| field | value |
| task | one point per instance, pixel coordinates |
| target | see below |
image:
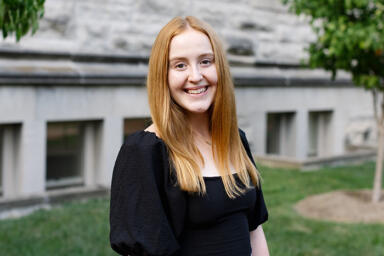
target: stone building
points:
(70, 93)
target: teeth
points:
(197, 91)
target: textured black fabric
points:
(259, 213)
(148, 212)
(217, 224)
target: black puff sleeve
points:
(259, 213)
(141, 221)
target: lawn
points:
(81, 228)
(289, 234)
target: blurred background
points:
(71, 93)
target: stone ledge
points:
(235, 60)
(69, 73)
(75, 57)
(139, 80)
(316, 162)
(52, 197)
(71, 80)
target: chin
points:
(198, 111)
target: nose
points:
(195, 75)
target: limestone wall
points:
(259, 29)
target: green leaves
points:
(350, 37)
(20, 16)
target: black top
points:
(150, 215)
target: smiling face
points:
(192, 76)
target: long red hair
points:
(170, 120)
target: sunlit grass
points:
(290, 234)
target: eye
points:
(206, 62)
(180, 66)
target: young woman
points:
(187, 185)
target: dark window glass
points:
(64, 154)
(273, 133)
(313, 133)
(132, 125)
(281, 134)
(319, 132)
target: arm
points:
(258, 215)
(139, 224)
(258, 242)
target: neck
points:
(199, 124)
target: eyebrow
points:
(200, 56)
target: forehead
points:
(188, 43)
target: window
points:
(73, 152)
(281, 134)
(9, 159)
(319, 139)
(64, 154)
(132, 125)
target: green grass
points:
(81, 228)
(289, 234)
(77, 228)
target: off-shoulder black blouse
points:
(148, 212)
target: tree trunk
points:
(377, 183)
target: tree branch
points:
(375, 106)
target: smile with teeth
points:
(197, 91)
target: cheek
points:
(212, 76)
(175, 82)
(175, 79)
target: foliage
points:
(20, 16)
(350, 37)
(82, 228)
